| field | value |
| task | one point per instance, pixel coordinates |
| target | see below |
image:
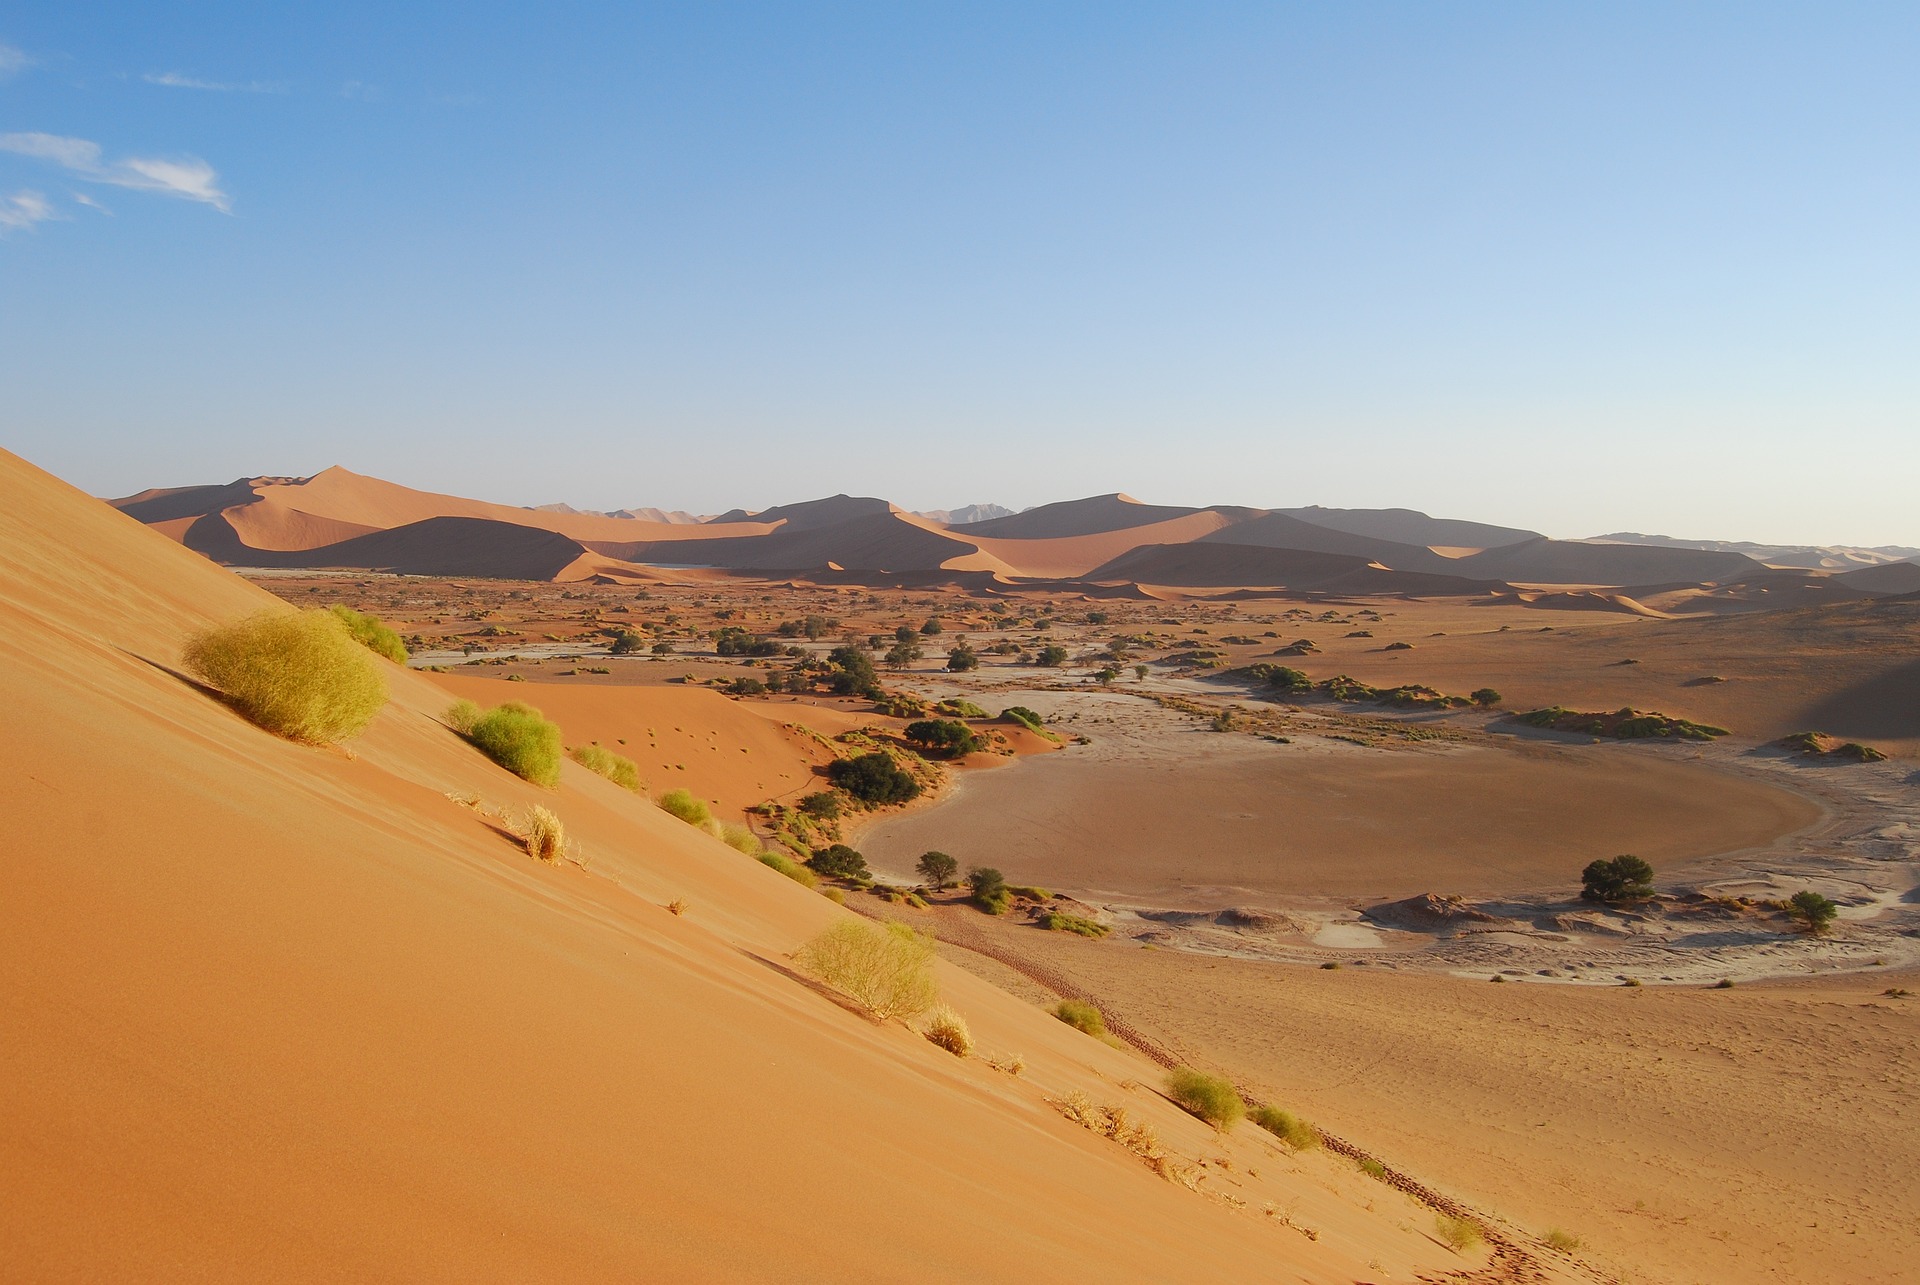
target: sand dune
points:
(1409, 526)
(272, 1011)
(1096, 515)
(1572, 562)
(1206, 563)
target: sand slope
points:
(271, 1012)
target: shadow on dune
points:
(1886, 706)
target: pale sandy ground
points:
(1764, 1133)
(276, 1013)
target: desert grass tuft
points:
(520, 739)
(677, 907)
(372, 633)
(1287, 1127)
(618, 768)
(1563, 1241)
(1457, 1234)
(296, 674)
(740, 839)
(791, 869)
(1210, 1097)
(1081, 1017)
(948, 1029)
(461, 716)
(684, 805)
(886, 971)
(543, 834)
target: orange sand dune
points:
(270, 1011)
(1067, 557)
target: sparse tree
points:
(963, 658)
(1625, 878)
(1814, 911)
(1052, 656)
(938, 869)
(1486, 698)
(839, 862)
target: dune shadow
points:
(818, 987)
(1887, 705)
(211, 693)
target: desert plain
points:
(1302, 807)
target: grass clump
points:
(372, 633)
(618, 768)
(1563, 1241)
(543, 834)
(520, 739)
(1082, 1017)
(791, 869)
(948, 1029)
(1210, 1097)
(1458, 1234)
(740, 839)
(886, 971)
(1373, 1168)
(296, 674)
(684, 805)
(1287, 1127)
(1060, 922)
(461, 716)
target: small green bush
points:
(1625, 878)
(618, 768)
(462, 715)
(1032, 892)
(1021, 714)
(299, 675)
(1373, 1168)
(740, 839)
(822, 806)
(790, 868)
(1458, 1234)
(989, 889)
(684, 805)
(887, 971)
(839, 862)
(1210, 1097)
(1082, 1017)
(946, 736)
(1563, 1241)
(520, 739)
(1287, 1127)
(372, 633)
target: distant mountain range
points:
(1102, 546)
(1823, 557)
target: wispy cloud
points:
(175, 80)
(13, 61)
(187, 177)
(21, 211)
(81, 198)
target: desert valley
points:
(1272, 796)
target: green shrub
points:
(1021, 714)
(1287, 1127)
(462, 715)
(1082, 1017)
(1485, 698)
(887, 971)
(1814, 911)
(1032, 892)
(944, 736)
(521, 740)
(989, 889)
(372, 633)
(1625, 878)
(1210, 1097)
(874, 779)
(790, 868)
(1060, 922)
(299, 675)
(822, 806)
(959, 707)
(1563, 1241)
(740, 839)
(1458, 1234)
(618, 768)
(684, 805)
(1373, 1168)
(839, 862)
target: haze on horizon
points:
(1581, 272)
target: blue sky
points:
(1575, 267)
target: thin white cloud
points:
(175, 80)
(21, 211)
(187, 177)
(81, 198)
(13, 61)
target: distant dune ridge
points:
(1099, 545)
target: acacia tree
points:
(1814, 911)
(938, 868)
(1625, 878)
(963, 658)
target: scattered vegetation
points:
(1287, 1127)
(840, 862)
(888, 971)
(1624, 878)
(1819, 745)
(618, 768)
(1082, 1017)
(790, 868)
(1210, 1097)
(1458, 1234)
(543, 834)
(948, 1029)
(1564, 1242)
(520, 739)
(1060, 922)
(1622, 724)
(945, 736)
(740, 839)
(299, 675)
(372, 633)
(989, 889)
